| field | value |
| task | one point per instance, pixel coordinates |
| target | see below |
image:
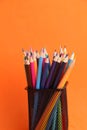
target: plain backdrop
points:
(37, 24)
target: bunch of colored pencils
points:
(41, 74)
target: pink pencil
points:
(32, 68)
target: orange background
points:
(36, 24)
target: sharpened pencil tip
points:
(56, 58)
(65, 59)
(59, 59)
(65, 50)
(72, 56)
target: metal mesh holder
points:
(37, 102)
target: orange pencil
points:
(45, 116)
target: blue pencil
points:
(36, 97)
(70, 60)
(39, 71)
(45, 73)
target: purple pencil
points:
(50, 76)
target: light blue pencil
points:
(36, 96)
(70, 60)
(39, 72)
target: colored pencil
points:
(70, 60)
(50, 76)
(45, 55)
(35, 65)
(45, 73)
(37, 57)
(32, 67)
(28, 75)
(36, 96)
(56, 71)
(27, 69)
(39, 70)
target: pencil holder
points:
(56, 116)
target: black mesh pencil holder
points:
(37, 103)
